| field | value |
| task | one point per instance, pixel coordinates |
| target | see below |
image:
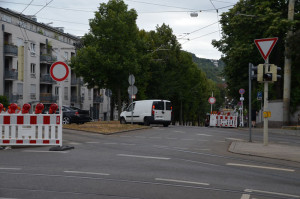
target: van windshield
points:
(158, 105)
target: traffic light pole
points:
(266, 120)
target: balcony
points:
(10, 75)
(13, 98)
(48, 98)
(47, 58)
(98, 99)
(46, 79)
(10, 50)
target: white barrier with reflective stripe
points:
(223, 121)
(30, 129)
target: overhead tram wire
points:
(199, 29)
(217, 17)
(43, 7)
(21, 23)
(200, 37)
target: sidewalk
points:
(277, 151)
(281, 131)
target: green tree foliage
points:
(265, 19)
(109, 53)
(4, 101)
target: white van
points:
(148, 112)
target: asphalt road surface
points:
(157, 163)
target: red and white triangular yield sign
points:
(265, 46)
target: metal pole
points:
(60, 104)
(132, 104)
(212, 94)
(266, 90)
(249, 118)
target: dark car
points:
(75, 115)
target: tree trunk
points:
(119, 103)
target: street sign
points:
(212, 100)
(59, 71)
(265, 46)
(108, 92)
(259, 95)
(131, 79)
(242, 91)
(132, 90)
(242, 98)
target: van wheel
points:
(146, 122)
(166, 124)
(122, 121)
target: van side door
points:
(129, 111)
(168, 111)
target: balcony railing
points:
(13, 98)
(46, 78)
(98, 99)
(11, 75)
(10, 49)
(47, 58)
(48, 98)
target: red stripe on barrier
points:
(32, 141)
(33, 119)
(20, 119)
(57, 141)
(46, 141)
(19, 141)
(6, 119)
(46, 119)
(57, 119)
(6, 141)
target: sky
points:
(194, 33)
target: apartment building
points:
(27, 51)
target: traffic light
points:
(257, 72)
(275, 71)
(253, 73)
(270, 72)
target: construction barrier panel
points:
(30, 129)
(223, 120)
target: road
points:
(159, 163)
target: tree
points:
(246, 21)
(4, 101)
(109, 53)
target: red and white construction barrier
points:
(30, 129)
(223, 120)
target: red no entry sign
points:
(59, 71)
(212, 100)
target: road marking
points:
(34, 151)
(204, 134)
(92, 142)
(110, 143)
(2, 168)
(74, 143)
(180, 148)
(146, 157)
(260, 167)
(155, 137)
(274, 193)
(202, 140)
(91, 173)
(245, 196)
(126, 144)
(182, 181)
(179, 131)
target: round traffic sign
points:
(131, 79)
(212, 100)
(132, 90)
(242, 91)
(59, 71)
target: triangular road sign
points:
(265, 46)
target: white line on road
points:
(2, 168)
(182, 181)
(274, 193)
(139, 136)
(92, 142)
(147, 157)
(110, 143)
(74, 143)
(245, 196)
(180, 148)
(91, 173)
(202, 140)
(35, 151)
(260, 167)
(179, 132)
(204, 134)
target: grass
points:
(104, 127)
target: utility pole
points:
(287, 69)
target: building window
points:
(56, 91)
(32, 91)
(66, 93)
(32, 71)
(66, 56)
(89, 94)
(32, 48)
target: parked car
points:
(73, 115)
(148, 112)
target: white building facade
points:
(27, 51)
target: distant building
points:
(27, 50)
(215, 62)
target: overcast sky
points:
(73, 15)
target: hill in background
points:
(212, 68)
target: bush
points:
(4, 101)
